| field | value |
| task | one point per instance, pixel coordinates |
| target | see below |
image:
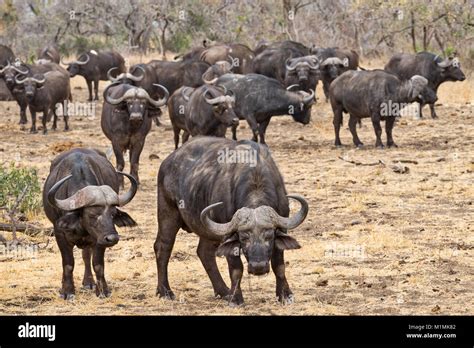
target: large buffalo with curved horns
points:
(18, 69)
(126, 120)
(290, 63)
(434, 68)
(258, 98)
(333, 62)
(210, 111)
(80, 198)
(44, 93)
(93, 66)
(232, 195)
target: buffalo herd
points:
(229, 193)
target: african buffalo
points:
(375, 94)
(258, 98)
(333, 62)
(48, 54)
(238, 55)
(10, 72)
(44, 93)
(435, 69)
(126, 121)
(80, 198)
(219, 68)
(6, 55)
(210, 111)
(93, 66)
(176, 110)
(290, 63)
(174, 75)
(232, 195)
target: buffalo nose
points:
(135, 116)
(235, 121)
(259, 268)
(112, 238)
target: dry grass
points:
(374, 242)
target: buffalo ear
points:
(230, 247)
(69, 221)
(285, 242)
(122, 219)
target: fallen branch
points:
(405, 161)
(362, 164)
(25, 228)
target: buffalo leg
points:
(185, 136)
(378, 131)
(236, 270)
(283, 291)
(55, 120)
(119, 159)
(88, 280)
(326, 90)
(66, 116)
(337, 120)
(353, 128)
(420, 110)
(101, 289)
(388, 130)
(96, 89)
(23, 119)
(67, 290)
(33, 122)
(433, 112)
(89, 87)
(234, 132)
(206, 251)
(45, 120)
(254, 126)
(168, 226)
(135, 152)
(262, 127)
(176, 132)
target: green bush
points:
(13, 182)
(179, 42)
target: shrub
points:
(14, 182)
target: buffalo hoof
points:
(33, 131)
(434, 116)
(89, 286)
(167, 295)
(392, 145)
(67, 297)
(66, 129)
(103, 294)
(235, 300)
(45, 131)
(286, 299)
(380, 146)
(360, 146)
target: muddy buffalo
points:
(205, 189)
(80, 198)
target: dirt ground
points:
(374, 242)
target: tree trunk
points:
(413, 37)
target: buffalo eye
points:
(268, 235)
(244, 236)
